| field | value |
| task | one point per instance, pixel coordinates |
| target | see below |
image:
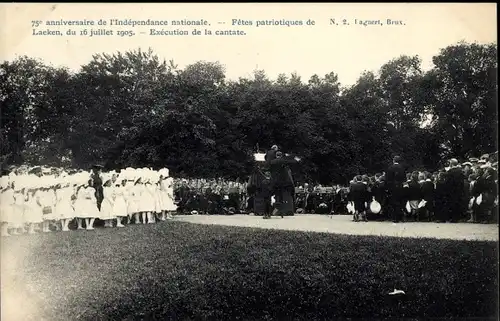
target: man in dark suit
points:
(96, 182)
(282, 183)
(456, 190)
(359, 192)
(394, 179)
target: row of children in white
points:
(37, 201)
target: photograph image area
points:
(251, 161)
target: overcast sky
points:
(307, 50)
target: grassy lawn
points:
(183, 271)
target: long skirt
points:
(287, 206)
(64, 210)
(261, 204)
(49, 213)
(120, 206)
(86, 209)
(18, 216)
(167, 201)
(7, 213)
(147, 203)
(106, 212)
(33, 214)
(132, 206)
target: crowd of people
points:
(466, 191)
(45, 199)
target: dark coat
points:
(280, 172)
(270, 156)
(455, 184)
(414, 193)
(395, 176)
(359, 192)
(427, 191)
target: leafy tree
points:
(463, 99)
(134, 109)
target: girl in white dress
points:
(48, 201)
(106, 213)
(78, 203)
(134, 194)
(148, 202)
(7, 207)
(160, 214)
(143, 200)
(168, 196)
(33, 210)
(120, 202)
(64, 205)
(17, 223)
(86, 206)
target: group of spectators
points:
(458, 192)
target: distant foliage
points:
(133, 109)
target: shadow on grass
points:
(182, 271)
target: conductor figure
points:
(282, 184)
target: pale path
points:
(343, 224)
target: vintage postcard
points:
(248, 161)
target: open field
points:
(343, 224)
(181, 271)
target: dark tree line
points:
(133, 109)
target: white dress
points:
(132, 202)
(18, 213)
(147, 203)
(107, 204)
(86, 203)
(167, 194)
(33, 210)
(64, 204)
(120, 202)
(158, 198)
(48, 201)
(7, 205)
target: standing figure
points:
(64, 205)
(33, 211)
(282, 184)
(414, 196)
(97, 184)
(441, 201)
(18, 217)
(456, 191)
(120, 202)
(48, 200)
(271, 154)
(86, 205)
(106, 211)
(358, 194)
(394, 180)
(427, 190)
(167, 196)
